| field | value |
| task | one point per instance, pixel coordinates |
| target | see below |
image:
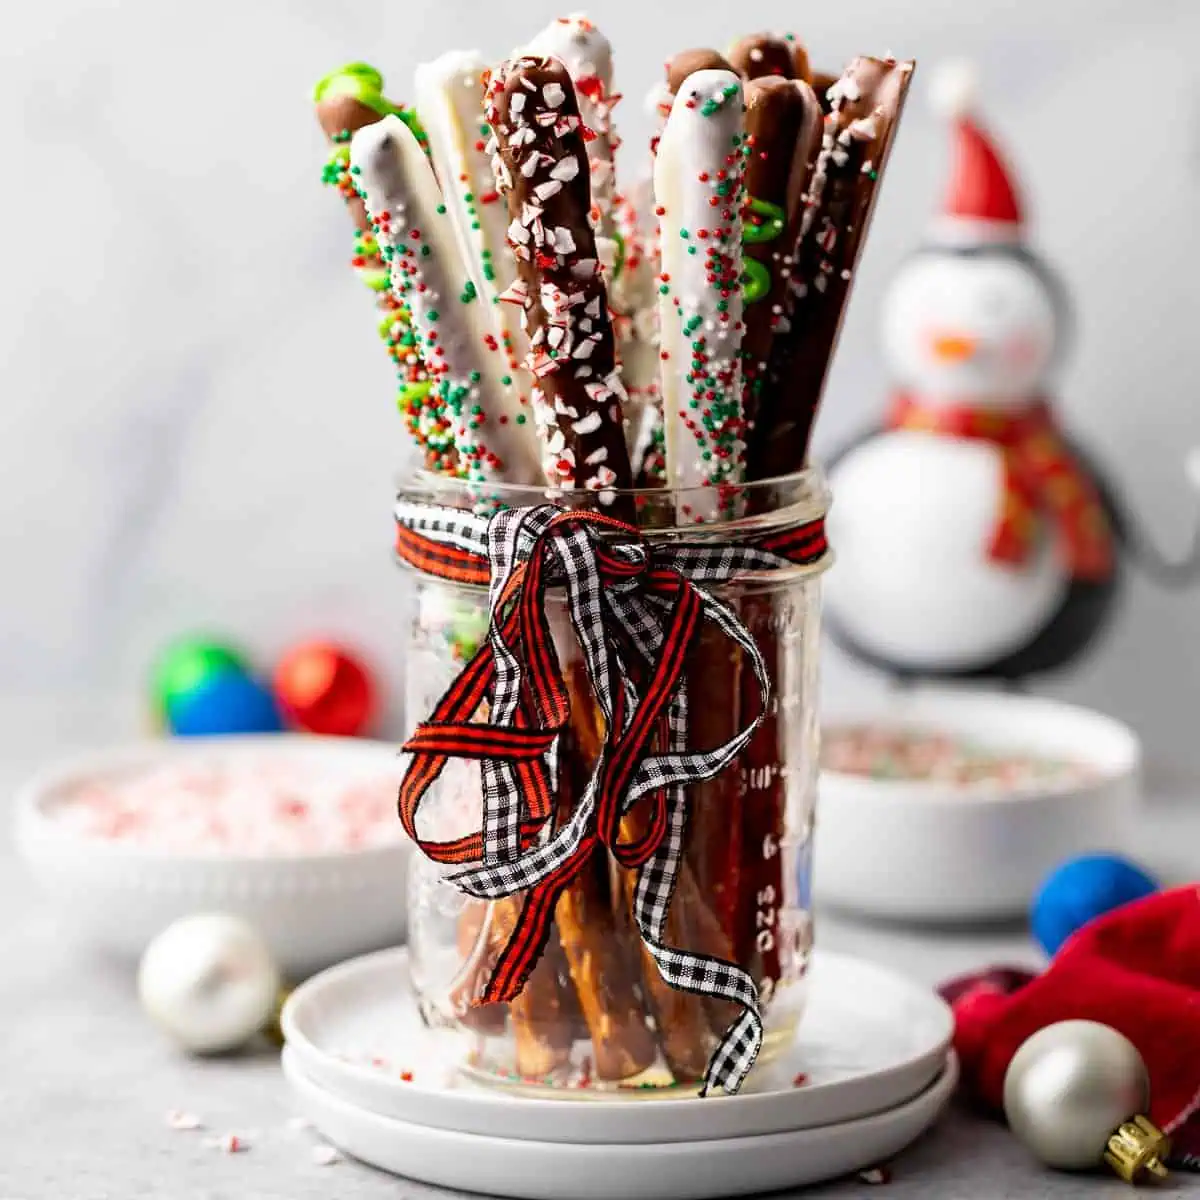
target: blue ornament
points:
(224, 702)
(1082, 889)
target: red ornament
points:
(324, 689)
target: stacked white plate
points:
(869, 1072)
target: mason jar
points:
(596, 1017)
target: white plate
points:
(868, 1041)
(312, 909)
(666, 1171)
(938, 852)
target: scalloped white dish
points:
(312, 908)
(944, 852)
(869, 1040)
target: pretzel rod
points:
(541, 169)
(587, 55)
(783, 135)
(346, 100)
(859, 132)
(428, 275)
(545, 1015)
(475, 939)
(762, 55)
(450, 93)
(698, 185)
(822, 82)
(714, 676)
(680, 1019)
(598, 943)
(635, 296)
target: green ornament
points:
(185, 664)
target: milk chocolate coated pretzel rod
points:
(783, 124)
(763, 55)
(495, 443)
(346, 100)
(783, 136)
(541, 169)
(450, 93)
(859, 131)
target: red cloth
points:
(1136, 969)
(1042, 479)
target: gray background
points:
(198, 423)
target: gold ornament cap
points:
(1138, 1148)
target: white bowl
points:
(939, 852)
(313, 910)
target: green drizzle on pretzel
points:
(765, 222)
(365, 84)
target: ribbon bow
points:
(635, 609)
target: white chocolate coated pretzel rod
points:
(450, 94)
(417, 239)
(698, 184)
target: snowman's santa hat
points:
(982, 206)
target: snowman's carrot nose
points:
(952, 347)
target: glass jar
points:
(595, 1015)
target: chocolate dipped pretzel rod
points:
(858, 135)
(541, 169)
(783, 137)
(345, 101)
(450, 95)
(762, 55)
(698, 185)
(495, 444)
(587, 54)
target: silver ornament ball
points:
(1069, 1088)
(209, 981)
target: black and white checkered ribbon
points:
(609, 573)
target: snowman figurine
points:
(973, 540)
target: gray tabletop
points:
(85, 1082)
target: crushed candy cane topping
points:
(247, 807)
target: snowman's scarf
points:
(1042, 479)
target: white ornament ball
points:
(1068, 1089)
(209, 981)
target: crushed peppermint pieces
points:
(183, 1121)
(325, 1155)
(875, 1176)
(210, 805)
(228, 1143)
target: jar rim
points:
(763, 503)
